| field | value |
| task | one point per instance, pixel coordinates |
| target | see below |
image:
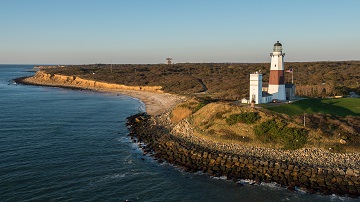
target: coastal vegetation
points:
(228, 122)
(243, 117)
(277, 131)
(227, 81)
(335, 122)
(215, 114)
(214, 133)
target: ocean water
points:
(70, 145)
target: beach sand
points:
(156, 102)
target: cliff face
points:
(43, 78)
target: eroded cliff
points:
(43, 78)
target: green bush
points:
(199, 106)
(203, 101)
(267, 131)
(219, 115)
(294, 138)
(194, 106)
(273, 131)
(243, 117)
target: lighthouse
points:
(276, 78)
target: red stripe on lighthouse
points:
(277, 77)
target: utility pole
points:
(111, 67)
(304, 120)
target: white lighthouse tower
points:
(276, 78)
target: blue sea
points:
(70, 145)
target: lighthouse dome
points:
(277, 47)
(277, 44)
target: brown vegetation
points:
(337, 134)
(224, 80)
(340, 134)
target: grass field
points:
(340, 107)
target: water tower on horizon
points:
(169, 61)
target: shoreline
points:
(155, 103)
(195, 157)
(162, 141)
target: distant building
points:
(276, 88)
(245, 101)
(169, 61)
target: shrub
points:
(266, 131)
(243, 117)
(199, 106)
(211, 132)
(219, 115)
(294, 138)
(193, 106)
(230, 135)
(273, 131)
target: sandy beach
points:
(156, 102)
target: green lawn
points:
(340, 107)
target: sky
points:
(148, 31)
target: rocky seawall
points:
(43, 78)
(162, 141)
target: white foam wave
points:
(335, 197)
(219, 178)
(142, 108)
(272, 185)
(127, 174)
(124, 139)
(115, 176)
(297, 189)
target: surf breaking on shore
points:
(306, 168)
